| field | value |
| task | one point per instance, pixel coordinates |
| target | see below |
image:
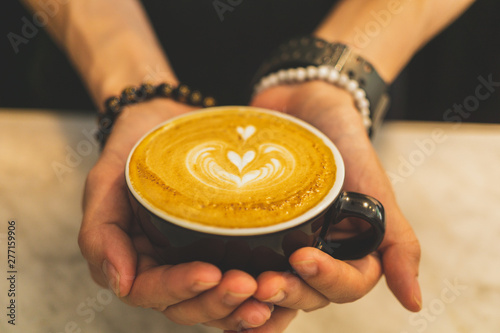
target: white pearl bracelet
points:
(325, 73)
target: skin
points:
(103, 37)
(121, 257)
(236, 299)
(322, 278)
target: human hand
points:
(322, 278)
(121, 257)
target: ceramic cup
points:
(257, 249)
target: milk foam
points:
(232, 169)
(255, 169)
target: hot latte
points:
(232, 168)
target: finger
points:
(158, 287)
(400, 249)
(250, 314)
(279, 321)
(216, 303)
(108, 224)
(104, 234)
(288, 290)
(401, 258)
(337, 280)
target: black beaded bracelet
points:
(146, 91)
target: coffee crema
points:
(232, 168)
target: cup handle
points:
(352, 204)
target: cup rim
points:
(319, 208)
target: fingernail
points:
(257, 318)
(246, 325)
(417, 294)
(233, 299)
(270, 305)
(277, 298)
(419, 303)
(112, 276)
(199, 286)
(306, 268)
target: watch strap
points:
(311, 51)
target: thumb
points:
(400, 259)
(111, 257)
(104, 238)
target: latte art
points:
(208, 164)
(233, 169)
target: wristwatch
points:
(311, 51)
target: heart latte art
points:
(232, 168)
(213, 163)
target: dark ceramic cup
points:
(267, 248)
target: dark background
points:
(445, 72)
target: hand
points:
(121, 257)
(324, 279)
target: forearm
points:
(110, 42)
(389, 32)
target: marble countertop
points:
(447, 182)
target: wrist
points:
(133, 95)
(137, 119)
(333, 110)
(319, 103)
(149, 113)
(307, 58)
(114, 83)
